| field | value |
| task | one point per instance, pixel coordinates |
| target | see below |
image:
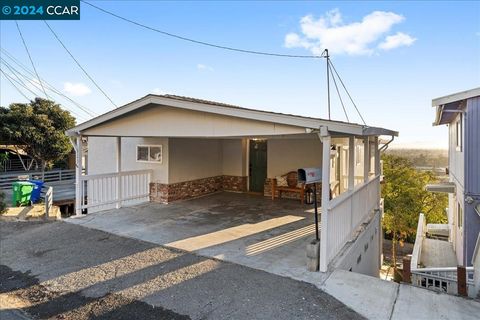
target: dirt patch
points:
(38, 302)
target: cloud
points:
(331, 32)
(76, 89)
(158, 91)
(204, 67)
(398, 40)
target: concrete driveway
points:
(250, 230)
(57, 270)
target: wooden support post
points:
(407, 273)
(119, 169)
(351, 163)
(78, 175)
(377, 158)
(326, 141)
(462, 281)
(366, 158)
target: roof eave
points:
(259, 115)
(456, 97)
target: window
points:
(459, 216)
(149, 154)
(458, 133)
(358, 155)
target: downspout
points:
(385, 146)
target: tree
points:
(39, 127)
(405, 198)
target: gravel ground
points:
(55, 270)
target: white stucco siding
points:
(286, 155)
(192, 159)
(234, 157)
(165, 121)
(102, 153)
(102, 156)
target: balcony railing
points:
(347, 212)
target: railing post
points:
(462, 281)
(351, 163)
(407, 273)
(377, 172)
(119, 170)
(326, 140)
(78, 175)
(366, 158)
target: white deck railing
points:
(442, 279)
(6, 179)
(347, 212)
(417, 247)
(106, 191)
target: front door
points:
(258, 165)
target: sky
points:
(394, 57)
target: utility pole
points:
(328, 82)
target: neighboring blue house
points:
(461, 113)
(440, 248)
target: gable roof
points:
(449, 106)
(230, 110)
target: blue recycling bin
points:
(37, 188)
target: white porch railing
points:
(417, 247)
(106, 191)
(441, 279)
(347, 212)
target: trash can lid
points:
(35, 181)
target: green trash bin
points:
(22, 191)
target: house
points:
(166, 148)
(16, 159)
(439, 249)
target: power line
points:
(348, 93)
(49, 86)
(208, 44)
(31, 60)
(25, 87)
(13, 84)
(31, 91)
(10, 68)
(338, 93)
(78, 64)
(34, 93)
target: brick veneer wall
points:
(165, 193)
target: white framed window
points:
(459, 216)
(149, 153)
(458, 133)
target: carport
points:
(246, 229)
(166, 149)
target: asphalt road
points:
(55, 270)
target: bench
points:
(292, 186)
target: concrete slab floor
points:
(246, 229)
